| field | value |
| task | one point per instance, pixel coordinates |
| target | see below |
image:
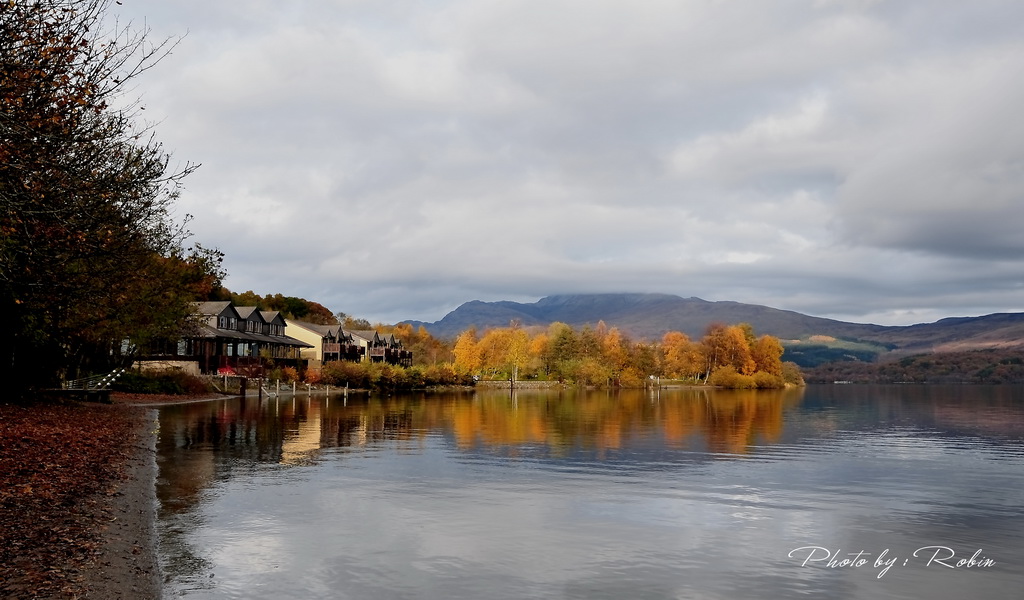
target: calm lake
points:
(840, 491)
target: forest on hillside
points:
(977, 366)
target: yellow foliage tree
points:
(614, 349)
(681, 356)
(739, 348)
(467, 352)
(726, 345)
(493, 348)
(767, 354)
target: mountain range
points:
(808, 340)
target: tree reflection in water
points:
(295, 430)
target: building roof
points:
(213, 307)
(366, 334)
(334, 331)
(322, 330)
(248, 313)
(271, 315)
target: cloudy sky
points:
(854, 159)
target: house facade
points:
(332, 343)
(232, 340)
(327, 343)
(382, 348)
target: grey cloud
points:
(393, 160)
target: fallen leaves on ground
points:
(59, 463)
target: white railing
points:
(96, 382)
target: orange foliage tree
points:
(467, 352)
(681, 357)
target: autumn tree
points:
(563, 348)
(290, 307)
(90, 253)
(504, 350)
(728, 356)
(356, 324)
(493, 345)
(538, 349)
(766, 352)
(517, 352)
(426, 349)
(468, 357)
(681, 357)
(614, 348)
(644, 358)
(727, 345)
(735, 357)
(738, 354)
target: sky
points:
(853, 159)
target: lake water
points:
(839, 491)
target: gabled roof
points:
(374, 337)
(272, 316)
(225, 308)
(334, 331)
(250, 313)
(322, 330)
(365, 335)
(215, 308)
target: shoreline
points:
(78, 501)
(127, 566)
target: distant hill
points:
(989, 366)
(809, 340)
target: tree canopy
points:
(290, 307)
(727, 355)
(90, 250)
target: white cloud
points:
(394, 159)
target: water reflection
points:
(294, 430)
(683, 493)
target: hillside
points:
(809, 340)
(977, 366)
(641, 315)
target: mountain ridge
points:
(649, 316)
